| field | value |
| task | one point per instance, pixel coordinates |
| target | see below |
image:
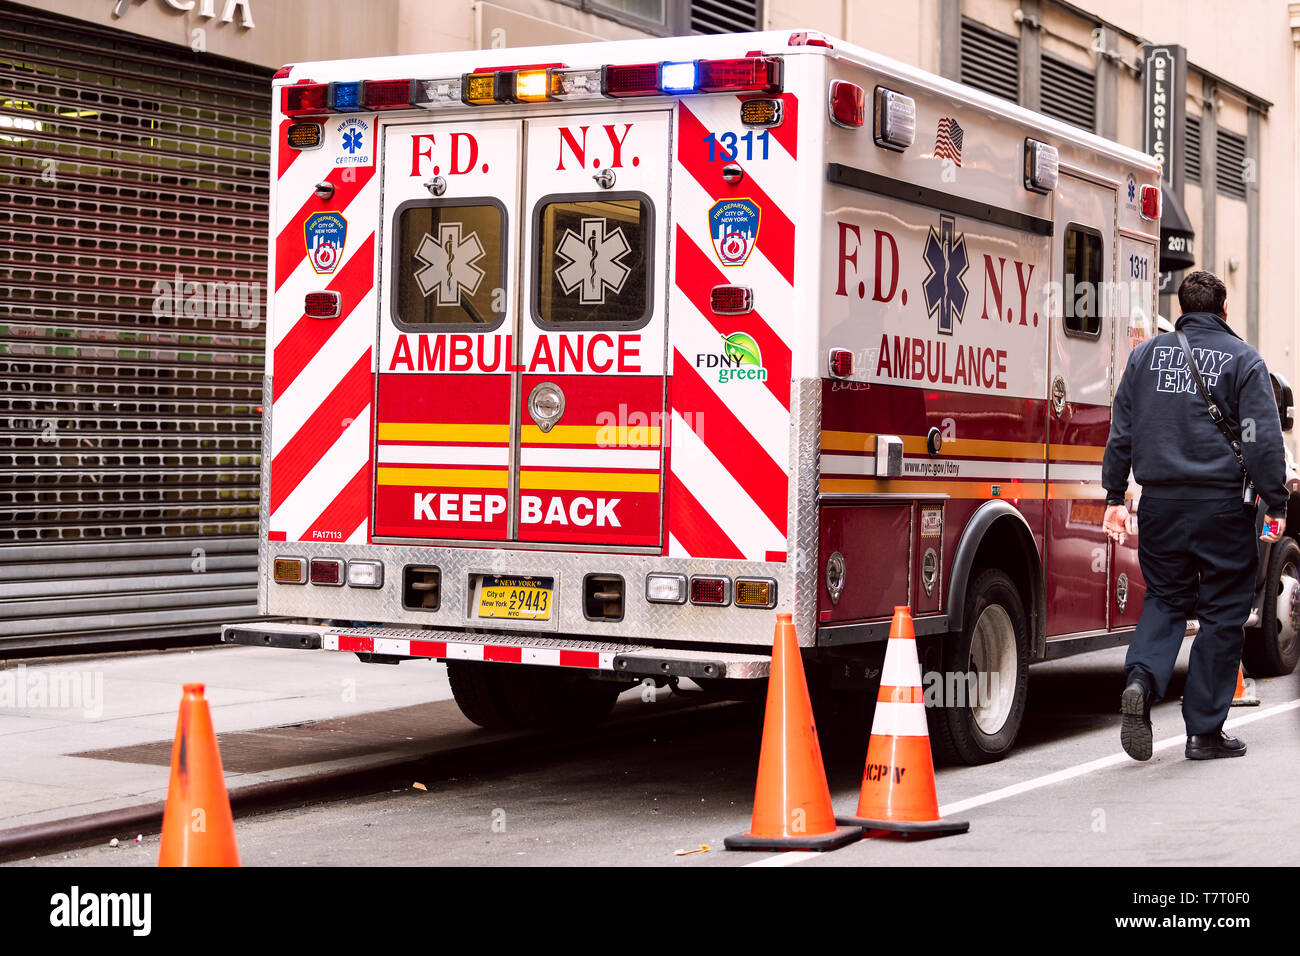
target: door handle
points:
(1058, 394)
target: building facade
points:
(134, 154)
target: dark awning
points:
(1176, 237)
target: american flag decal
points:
(947, 141)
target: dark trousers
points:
(1198, 558)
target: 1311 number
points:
(727, 146)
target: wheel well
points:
(1005, 543)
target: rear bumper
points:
(418, 643)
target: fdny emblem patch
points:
(325, 233)
(733, 224)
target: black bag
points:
(1216, 413)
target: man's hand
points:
(1116, 523)
(1281, 529)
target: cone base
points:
(817, 841)
(1246, 702)
(906, 827)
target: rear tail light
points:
(345, 97)
(327, 571)
(895, 119)
(289, 570)
(711, 591)
(761, 74)
(283, 72)
(731, 299)
(1042, 166)
(322, 305)
(431, 94)
(848, 104)
(841, 363)
(303, 99)
(755, 592)
(386, 94)
(641, 79)
(1151, 202)
(665, 588)
(365, 574)
(576, 84)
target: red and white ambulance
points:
(584, 361)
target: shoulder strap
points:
(1215, 412)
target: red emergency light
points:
(386, 94)
(322, 305)
(731, 299)
(841, 363)
(304, 98)
(848, 104)
(711, 591)
(1151, 202)
(751, 74)
(638, 79)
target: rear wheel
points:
(1273, 648)
(984, 676)
(514, 697)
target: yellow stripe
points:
(961, 489)
(422, 431)
(586, 481)
(443, 477)
(603, 436)
(916, 445)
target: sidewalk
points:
(52, 763)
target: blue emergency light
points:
(677, 77)
(345, 97)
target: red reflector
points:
(283, 72)
(731, 299)
(386, 94)
(322, 305)
(641, 79)
(709, 591)
(848, 104)
(326, 571)
(762, 74)
(1151, 202)
(297, 100)
(841, 363)
(810, 39)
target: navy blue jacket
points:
(1161, 428)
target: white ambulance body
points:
(584, 362)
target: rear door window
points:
(594, 267)
(450, 265)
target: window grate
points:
(726, 16)
(1230, 166)
(1069, 92)
(1192, 152)
(990, 61)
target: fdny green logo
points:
(740, 359)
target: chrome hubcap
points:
(993, 661)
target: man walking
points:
(1196, 544)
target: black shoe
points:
(1209, 746)
(1135, 731)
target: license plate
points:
(519, 599)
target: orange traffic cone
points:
(898, 782)
(792, 802)
(1243, 697)
(198, 829)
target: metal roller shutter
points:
(1069, 92)
(990, 61)
(129, 400)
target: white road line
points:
(961, 806)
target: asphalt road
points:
(1066, 796)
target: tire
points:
(993, 646)
(481, 694)
(1273, 648)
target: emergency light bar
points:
(541, 83)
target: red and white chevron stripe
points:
(321, 369)
(730, 456)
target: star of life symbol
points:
(449, 268)
(592, 261)
(945, 290)
(352, 140)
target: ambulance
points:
(586, 361)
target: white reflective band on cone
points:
(899, 720)
(901, 667)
